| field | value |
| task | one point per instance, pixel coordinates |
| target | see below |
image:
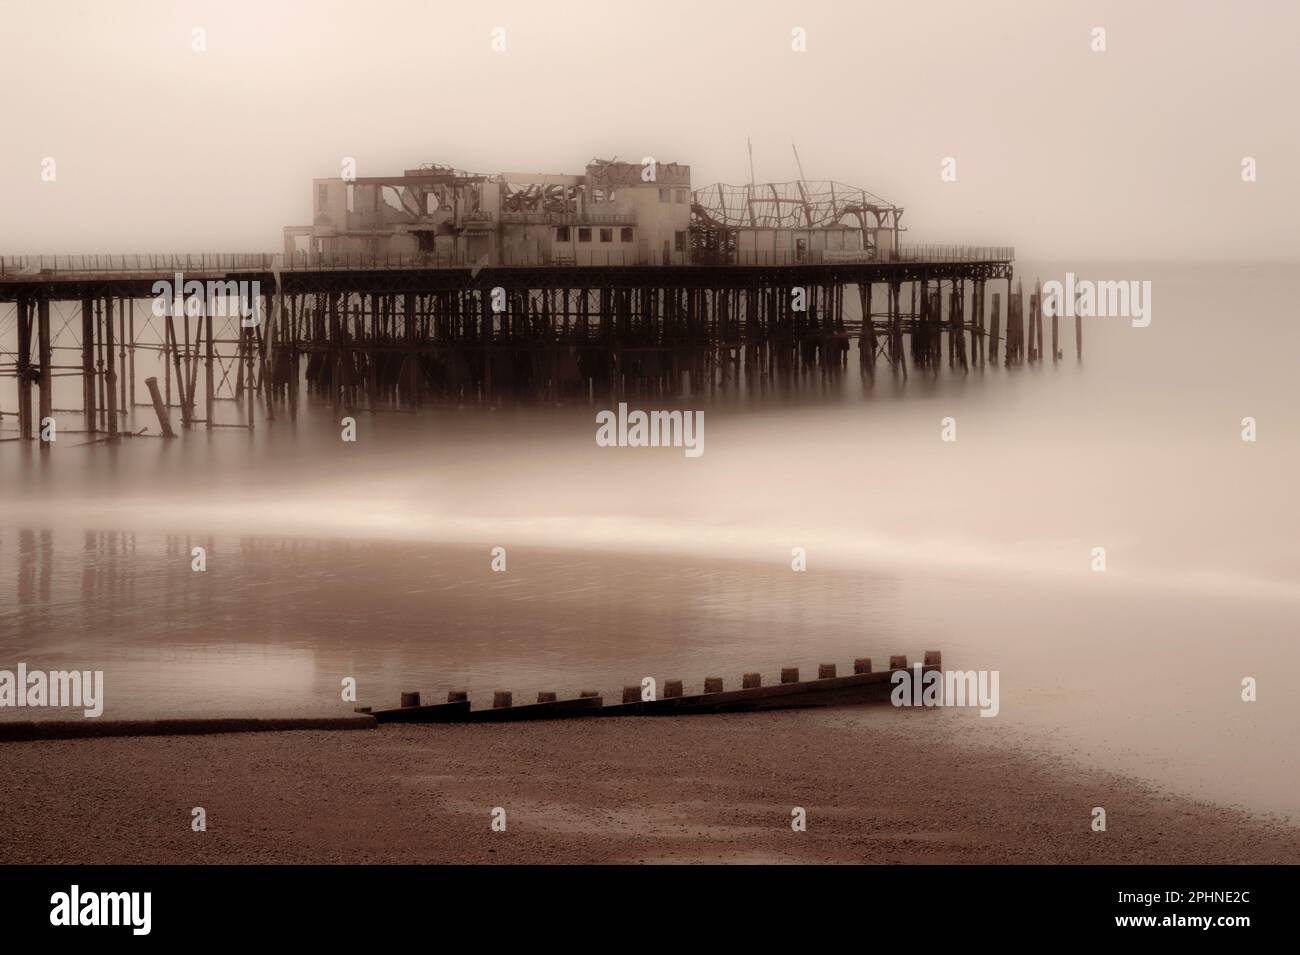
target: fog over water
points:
(371, 559)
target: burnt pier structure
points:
(374, 334)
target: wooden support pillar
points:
(267, 327)
(210, 391)
(867, 340)
(1018, 302)
(131, 339)
(959, 322)
(896, 325)
(169, 336)
(192, 365)
(250, 357)
(372, 352)
(110, 368)
(1056, 352)
(46, 379)
(954, 339)
(984, 323)
(997, 328)
(123, 403)
(485, 333)
(295, 317)
(88, 362)
(1010, 332)
(1038, 317)
(1011, 329)
(160, 409)
(333, 364)
(23, 368)
(101, 404)
(241, 363)
(165, 355)
(188, 354)
(1033, 343)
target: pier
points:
(376, 333)
(440, 286)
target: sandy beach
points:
(878, 786)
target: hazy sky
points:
(1131, 153)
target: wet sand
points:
(878, 785)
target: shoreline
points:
(878, 786)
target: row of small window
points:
(680, 195)
(584, 234)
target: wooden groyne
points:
(20, 731)
(375, 336)
(864, 685)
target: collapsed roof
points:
(797, 204)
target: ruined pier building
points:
(616, 213)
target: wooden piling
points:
(266, 331)
(997, 328)
(23, 368)
(169, 331)
(1035, 343)
(250, 357)
(210, 392)
(46, 380)
(88, 363)
(131, 339)
(160, 409)
(110, 369)
(1015, 328)
(1038, 315)
(101, 405)
(123, 403)
(867, 340)
(1056, 352)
